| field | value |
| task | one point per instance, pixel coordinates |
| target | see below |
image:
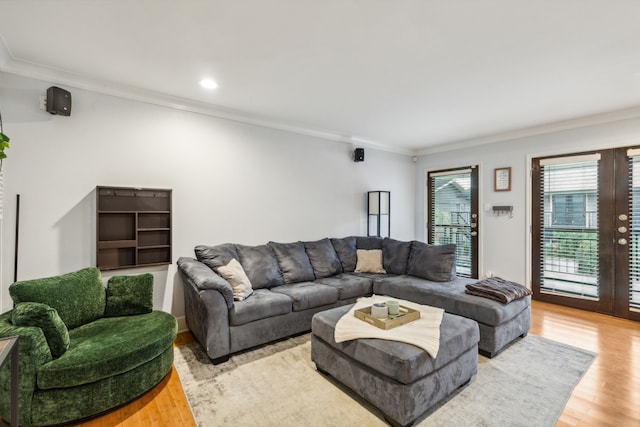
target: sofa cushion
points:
(369, 261)
(46, 318)
(260, 305)
(129, 295)
(261, 266)
(346, 250)
(395, 255)
(348, 285)
(293, 261)
(368, 242)
(78, 297)
(216, 256)
(108, 347)
(237, 278)
(323, 257)
(432, 262)
(308, 294)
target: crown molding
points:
(11, 65)
(591, 120)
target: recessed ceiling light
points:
(208, 84)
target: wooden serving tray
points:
(406, 315)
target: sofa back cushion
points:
(368, 242)
(324, 258)
(432, 262)
(395, 255)
(293, 261)
(216, 256)
(260, 265)
(346, 250)
(78, 297)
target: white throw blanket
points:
(423, 333)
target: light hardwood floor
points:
(608, 394)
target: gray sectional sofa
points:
(291, 282)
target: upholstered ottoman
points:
(400, 379)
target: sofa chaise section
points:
(499, 323)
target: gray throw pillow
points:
(324, 258)
(432, 262)
(260, 265)
(369, 242)
(395, 255)
(293, 261)
(216, 256)
(346, 250)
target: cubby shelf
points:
(133, 227)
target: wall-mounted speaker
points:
(58, 101)
(358, 155)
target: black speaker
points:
(58, 101)
(358, 155)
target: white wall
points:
(505, 242)
(232, 182)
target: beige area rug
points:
(528, 384)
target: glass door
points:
(453, 215)
(586, 231)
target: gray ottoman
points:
(400, 379)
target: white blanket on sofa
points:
(423, 333)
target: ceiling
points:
(403, 75)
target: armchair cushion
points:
(46, 318)
(129, 295)
(78, 297)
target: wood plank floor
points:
(607, 395)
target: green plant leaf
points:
(4, 137)
(2, 155)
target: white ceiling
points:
(405, 75)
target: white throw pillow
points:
(237, 278)
(369, 261)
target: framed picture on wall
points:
(502, 179)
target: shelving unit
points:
(133, 227)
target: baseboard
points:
(182, 324)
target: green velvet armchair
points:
(84, 349)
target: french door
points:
(453, 215)
(586, 231)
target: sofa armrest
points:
(207, 316)
(33, 351)
(203, 278)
